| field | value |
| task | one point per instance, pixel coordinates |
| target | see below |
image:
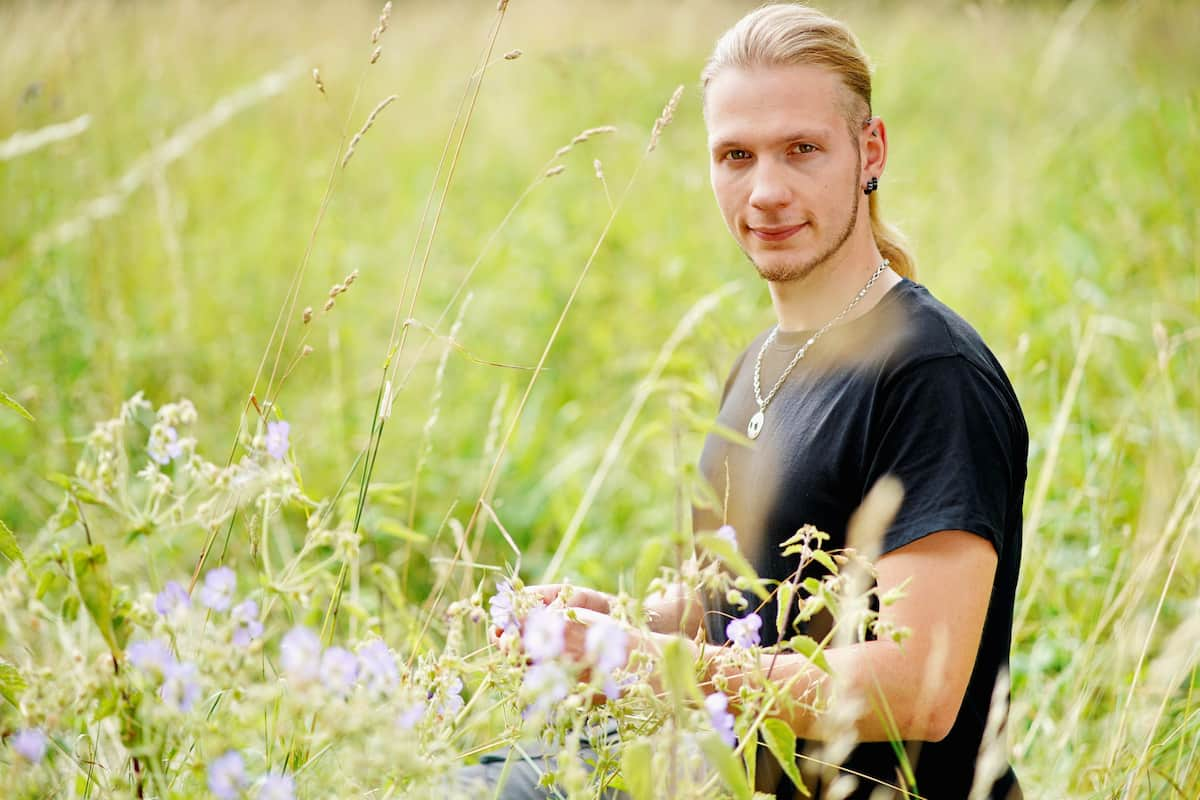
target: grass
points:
(1042, 160)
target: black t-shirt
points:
(908, 389)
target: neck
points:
(810, 302)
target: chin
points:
(781, 270)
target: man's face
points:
(784, 169)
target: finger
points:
(547, 592)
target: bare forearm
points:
(874, 676)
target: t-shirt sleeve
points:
(946, 432)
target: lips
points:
(776, 233)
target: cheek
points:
(726, 193)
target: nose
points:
(770, 188)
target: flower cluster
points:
(178, 683)
(306, 663)
(216, 692)
(227, 780)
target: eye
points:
(736, 155)
(804, 147)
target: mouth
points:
(776, 233)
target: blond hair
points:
(789, 34)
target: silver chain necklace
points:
(756, 422)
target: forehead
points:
(760, 103)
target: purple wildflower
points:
(339, 671)
(543, 634)
(246, 625)
(277, 787)
(300, 655)
(227, 775)
(501, 607)
(219, 586)
(30, 744)
(718, 712)
(411, 715)
(727, 533)
(277, 439)
(180, 688)
(377, 666)
(607, 645)
(153, 657)
(744, 632)
(172, 598)
(453, 701)
(546, 684)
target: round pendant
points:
(755, 426)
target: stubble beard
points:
(799, 270)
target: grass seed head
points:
(665, 118)
(550, 173)
(316, 73)
(513, 55)
(328, 304)
(367, 126)
(375, 54)
(599, 169)
(307, 315)
(306, 350)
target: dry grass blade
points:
(24, 142)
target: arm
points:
(923, 680)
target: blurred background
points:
(163, 167)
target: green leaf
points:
(6, 399)
(12, 685)
(679, 670)
(8, 545)
(96, 590)
(784, 594)
(728, 553)
(389, 527)
(60, 480)
(70, 608)
(825, 560)
(635, 769)
(647, 565)
(811, 649)
(781, 741)
(729, 766)
(750, 756)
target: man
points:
(866, 375)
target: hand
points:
(581, 597)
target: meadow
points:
(1043, 162)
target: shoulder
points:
(935, 338)
(941, 358)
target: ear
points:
(873, 149)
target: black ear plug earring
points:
(872, 185)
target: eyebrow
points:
(794, 136)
